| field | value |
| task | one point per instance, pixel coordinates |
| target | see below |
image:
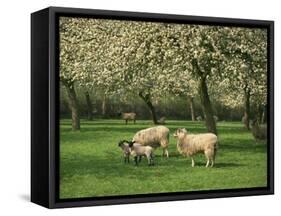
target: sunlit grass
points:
(92, 164)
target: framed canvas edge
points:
(53, 120)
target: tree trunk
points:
(103, 106)
(89, 106)
(247, 109)
(193, 118)
(207, 106)
(263, 115)
(146, 98)
(73, 105)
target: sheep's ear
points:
(184, 130)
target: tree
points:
(192, 112)
(245, 66)
(82, 42)
(151, 60)
(89, 105)
(202, 57)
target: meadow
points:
(91, 163)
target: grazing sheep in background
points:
(137, 150)
(259, 132)
(124, 145)
(155, 137)
(162, 120)
(191, 144)
(129, 117)
(243, 119)
(199, 118)
(216, 118)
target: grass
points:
(92, 164)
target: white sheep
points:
(191, 144)
(124, 145)
(259, 132)
(216, 118)
(199, 118)
(137, 150)
(129, 116)
(155, 137)
(162, 120)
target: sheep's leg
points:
(208, 162)
(140, 158)
(148, 160)
(134, 121)
(136, 160)
(151, 161)
(212, 162)
(167, 153)
(126, 121)
(192, 162)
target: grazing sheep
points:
(162, 120)
(155, 137)
(259, 132)
(216, 118)
(191, 144)
(244, 122)
(199, 118)
(124, 145)
(137, 150)
(243, 119)
(129, 116)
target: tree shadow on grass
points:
(135, 128)
(248, 146)
(103, 168)
(227, 165)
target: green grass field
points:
(91, 163)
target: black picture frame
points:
(45, 113)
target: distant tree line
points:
(171, 107)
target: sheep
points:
(137, 150)
(191, 144)
(259, 132)
(124, 145)
(199, 118)
(129, 116)
(244, 121)
(162, 120)
(155, 137)
(215, 118)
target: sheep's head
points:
(180, 133)
(254, 122)
(122, 142)
(131, 143)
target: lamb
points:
(129, 116)
(259, 132)
(124, 145)
(191, 144)
(137, 150)
(155, 137)
(162, 120)
(199, 118)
